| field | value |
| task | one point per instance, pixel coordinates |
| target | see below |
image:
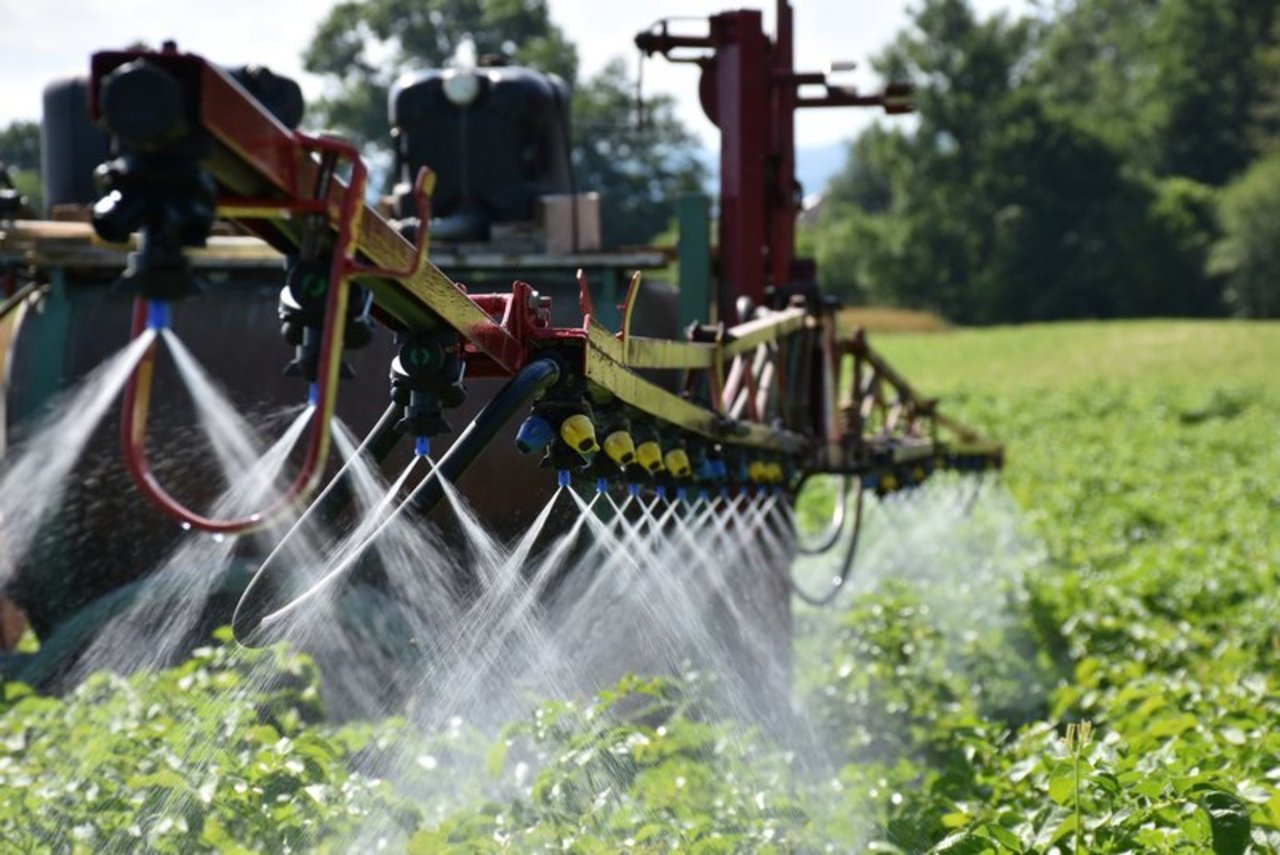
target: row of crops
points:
(1120, 695)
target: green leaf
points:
(963, 843)
(1062, 782)
(1067, 826)
(1006, 837)
(1229, 821)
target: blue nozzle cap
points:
(157, 314)
(602, 485)
(633, 490)
(718, 469)
(724, 492)
(703, 495)
(422, 446)
(313, 394)
(682, 494)
(661, 491)
(534, 435)
(563, 477)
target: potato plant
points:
(1129, 702)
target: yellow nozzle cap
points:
(649, 455)
(620, 447)
(888, 482)
(677, 460)
(758, 471)
(579, 433)
(773, 473)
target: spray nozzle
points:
(579, 434)
(564, 477)
(649, 455)
(677, 462)
(620, 447)
(157, 315)
(602, 485)
(422, 446)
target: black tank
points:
(496, 143)
(71, 146)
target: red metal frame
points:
(268, 178)
(750, 91)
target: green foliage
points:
(1063, 166)
(639, 167)
(20, 154)
(1249, 252)
(1144, 456)
(20, 146)
(657, 779)
(1156, 500)
(196, 758)
(1172, 85)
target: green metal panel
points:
(693, 215)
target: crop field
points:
(1112, 686)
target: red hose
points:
(137, 393)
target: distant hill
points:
(814, 166)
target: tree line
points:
(1100, 158)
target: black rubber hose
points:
(265, 598)
(17, 298)
(834, 528)
(845, 568)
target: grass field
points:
(1147, 458)
(1129, 703)
(1062, 357)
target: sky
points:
(47, 39)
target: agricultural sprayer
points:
(761, 391)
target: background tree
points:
(1062, 166)
(639, 162)
(1173, 85)
(1249, 252)
(20, 152)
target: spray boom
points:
(760, 404)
